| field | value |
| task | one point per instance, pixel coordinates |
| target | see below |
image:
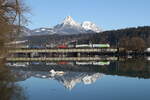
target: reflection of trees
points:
(8, 89)
(139, 68)
(132, 68)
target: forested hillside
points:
(130, 38)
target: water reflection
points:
(148, 58)
(68, 79)
(69, 74)
(9, 90)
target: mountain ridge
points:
(68, 27)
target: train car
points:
(83, 46)
(101, 45)
(36, 47)
(62, 46)
(50, 46)
(22, 46)
(93, 46)
(71, 46)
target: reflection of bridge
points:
(139, 68)
(62, 59)
(67, 54)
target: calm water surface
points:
(123, 80)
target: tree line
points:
(136, 39)
(11, 19)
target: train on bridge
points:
(84, 46)
(63, 46)
(72, 44)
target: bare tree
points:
(11, 18)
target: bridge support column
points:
(79, 54)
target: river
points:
(101, 80)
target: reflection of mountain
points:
(132, 68)
(69, 75)
(68, 79)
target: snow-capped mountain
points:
(42, 31)
(68, 26)
(89, 26)
(69, 21)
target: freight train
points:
(85, 46)
(69, 46)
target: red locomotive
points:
(62, 46)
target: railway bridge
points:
(55, 54)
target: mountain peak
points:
(69, 21)
(87, 25)
(69, 26)
(68, 18)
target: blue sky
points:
(107, 14)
